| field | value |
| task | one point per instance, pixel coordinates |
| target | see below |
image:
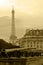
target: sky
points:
(28, 6)
(28, 13)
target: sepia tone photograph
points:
(21, 32)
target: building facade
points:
(33, 39)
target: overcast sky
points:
(28, 6)
(29, 14)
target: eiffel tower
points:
(13, 37)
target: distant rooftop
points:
(34, 32)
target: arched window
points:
(37, 32)
(34, 44)
(41, 44)
(31, 44)
(37, 44)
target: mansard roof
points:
(34, 32)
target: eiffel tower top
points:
(12, 8)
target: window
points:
(34, 43)
(40, 44)
(37, 45)
(31, 44)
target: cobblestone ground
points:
(35, 61)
